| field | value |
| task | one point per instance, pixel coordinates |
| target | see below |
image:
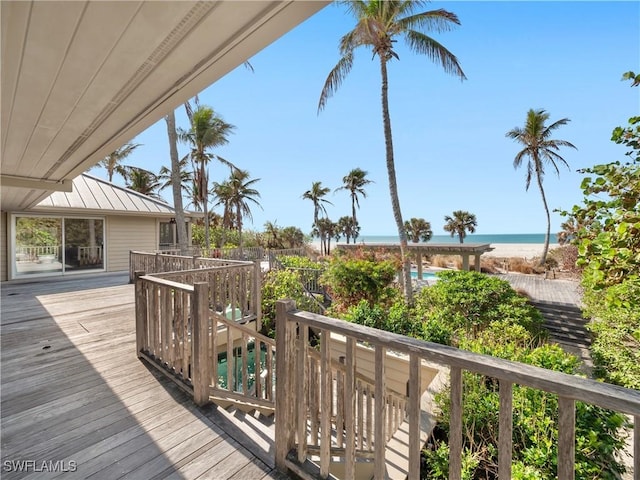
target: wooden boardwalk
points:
(75, 397)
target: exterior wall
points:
(4, 245)
(129, 233)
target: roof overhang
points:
(80, 79)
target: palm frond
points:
(335, 79)
(425, 45)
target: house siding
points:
(4, 243)
(126, 233)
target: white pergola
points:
(417, 250)
(81, 78)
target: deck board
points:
(73, 390)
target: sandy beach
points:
(522, 250)
(501, 250)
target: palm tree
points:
(325, 229)
(113, 161)
(418, 229)
(238, 191)
(143, 181)
(540, 149)
(378, 25)
(569, 232)
(460, 223)
(316, 194)
(208, 130)
(348, 228)
(179, 178)
(354, 182)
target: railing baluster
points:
(349, 410)
(636, 447)
(360, 414)
(369, 418)
(245, 364)
(566, 438)
(415, 394)
(505, 429)
(200, 334)
(326, 401)
(230, 361)
(302, 391)
(284, 432)
(455, 425)
(379, 415)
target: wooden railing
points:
(90, 255)
(201, 326)
(158, 262)
(298, 393)
(31, 252)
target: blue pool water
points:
(425, 275)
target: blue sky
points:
(451, 152)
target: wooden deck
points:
(75, 397)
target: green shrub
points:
(535, 430)
(615, 325)
(280, 285)
(351, 280)
(471, 301)
(295, 261)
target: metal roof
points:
(94, 195)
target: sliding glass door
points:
(57, 245)
(38, 245)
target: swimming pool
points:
(425, 275)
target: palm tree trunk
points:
(204, 194)
(353, 210)
(547, 235)
(238, 214)
(393, 186)
(176, 183)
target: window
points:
(57, 245)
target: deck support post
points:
(141, 313)
(200, 335)
(285, 391)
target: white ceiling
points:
(81, 78)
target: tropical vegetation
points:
(540, 150)
(207, 131)
(459, 223)
(608, 239)
(354, 182)
(113, 162)
(379, 24)
(418, 229)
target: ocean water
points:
(474, 238)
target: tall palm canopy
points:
(113, 161)
(540, 150)
(354, 182)
(208, 130)
(235, 194)
(460, 223)
(379, 23)
(316, 194)
(418, 229)
(143, 181)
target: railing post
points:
(257, 298)
(157, 263)
(566, 438)
(415, 395)
(200, 336)
(505, 429)
(285, 356)
(455, 425)
(141, 313)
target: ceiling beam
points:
(37, 183)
